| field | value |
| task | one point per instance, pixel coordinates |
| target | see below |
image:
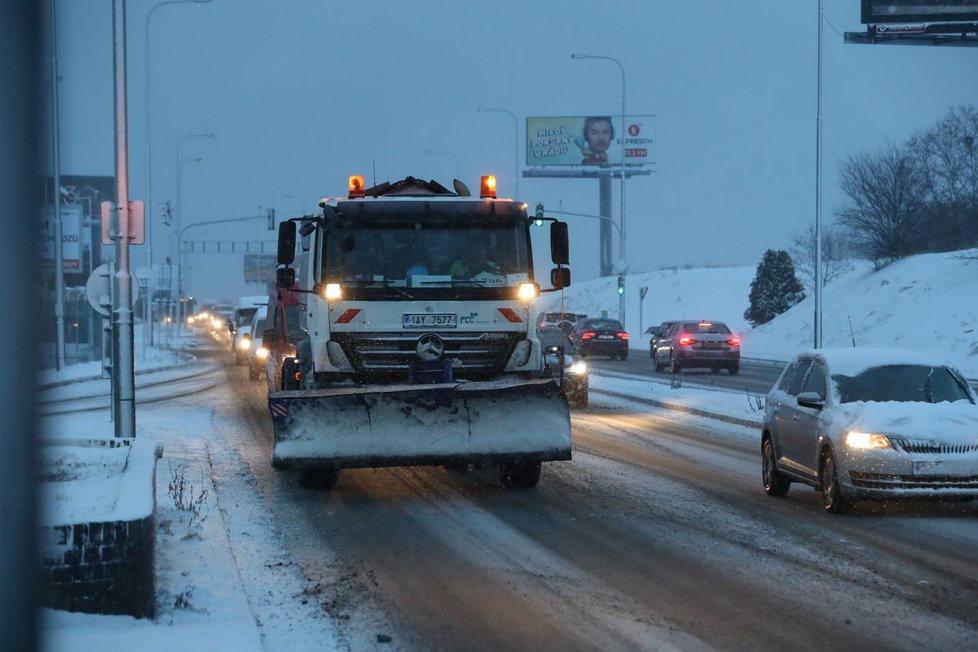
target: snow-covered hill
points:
(927, 302)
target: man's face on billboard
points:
(598, 135)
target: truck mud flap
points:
(404, 425)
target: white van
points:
(244, 312)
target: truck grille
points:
(474, 356)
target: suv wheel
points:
(832, 498)
(775, 484)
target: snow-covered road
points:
(657, 535)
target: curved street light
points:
(621, 231)
(516, 143)
(149, 159)
(178, 256)
(621, 245)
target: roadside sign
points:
(99, 289)
(71, 219)
(136, 222)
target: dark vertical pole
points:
(20, 34)
(123, 364)
(604, 210)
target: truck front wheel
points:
(523, 475)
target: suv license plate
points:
(428, 320)
(929, 467)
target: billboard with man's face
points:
(590, 140)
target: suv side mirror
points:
(811, 400)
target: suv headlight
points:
(865, 440)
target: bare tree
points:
(949, 159)
(887, 196)
(836, 255)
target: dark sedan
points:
(689, 344)
(600, 337)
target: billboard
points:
(875, 12)
(71, 220)
(260, 268)
(597, 140)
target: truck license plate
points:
(428, 320)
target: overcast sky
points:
(300, 94)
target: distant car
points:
(573, 373)
(594, 336)
(241, 338)
(657, 334)
(694, 344)
(558, 320)
(871, 424)
(257, 353)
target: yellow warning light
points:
(356, 185)
(487, 188)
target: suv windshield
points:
(907, 383)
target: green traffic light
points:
(538, 222)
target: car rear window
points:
(715, 327)
(604, 325)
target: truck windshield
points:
(427, 254)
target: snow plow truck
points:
(415, 344)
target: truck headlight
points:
(578, 368)
(332, 291)
(244, 343)
(261, 353)
(529, 291)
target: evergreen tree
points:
(774, 289)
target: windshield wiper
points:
(927, 389)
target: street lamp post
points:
(621, 231)
(148, 217)
(446, 153)
(516, 144)
(178, 255)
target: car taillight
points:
(686, 340)
(734, 341)
(587, 335)
(622, 335)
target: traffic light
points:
(539, 216)
(271, 219)
(621, 285)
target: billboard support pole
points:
(604, 208)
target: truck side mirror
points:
(268, 338)
(559, 244)
(285, 277)
(560, 277)
(286, 243)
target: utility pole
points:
(123, 369)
